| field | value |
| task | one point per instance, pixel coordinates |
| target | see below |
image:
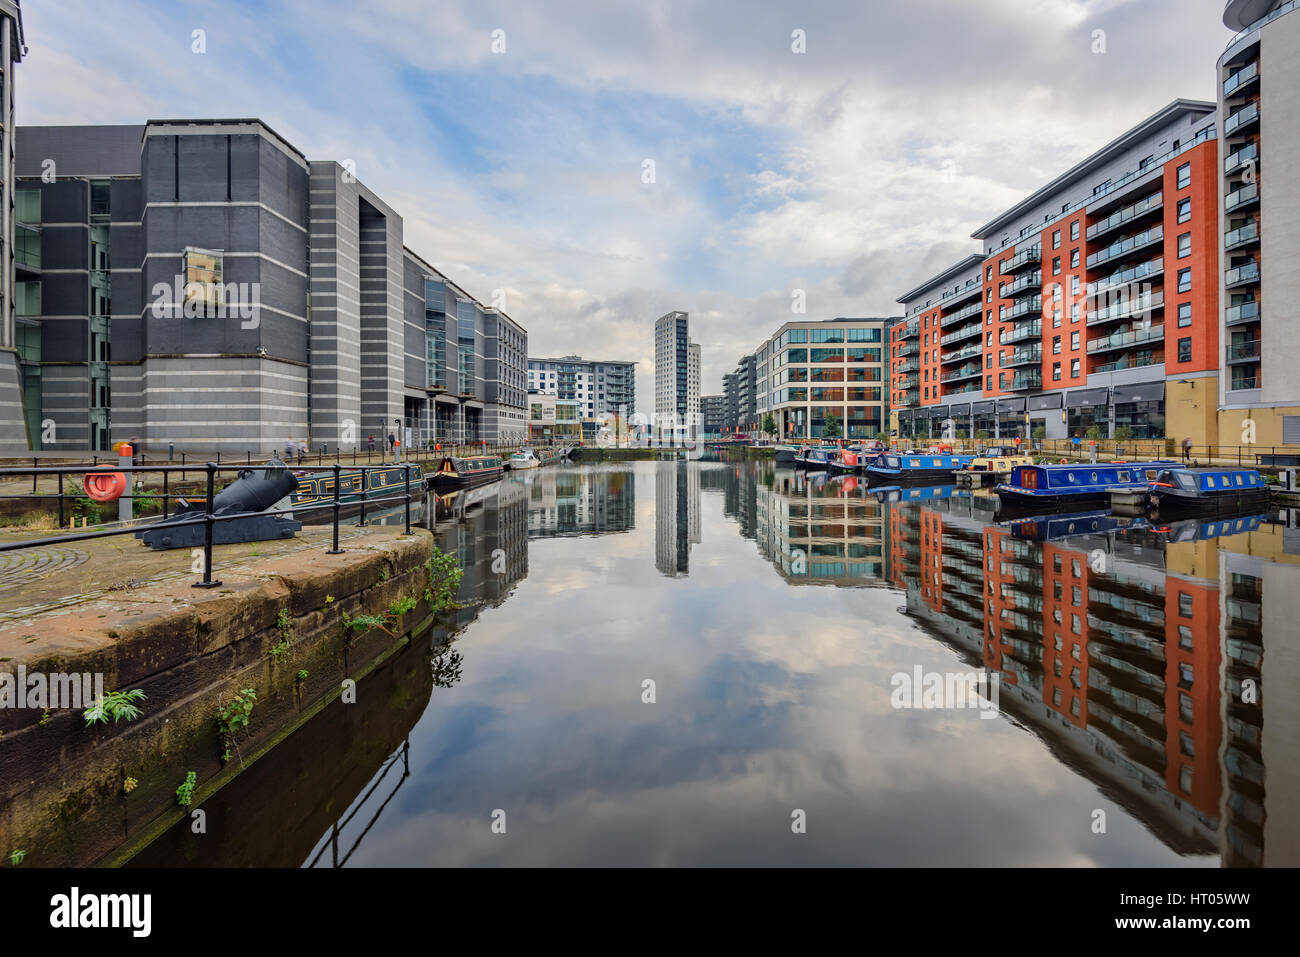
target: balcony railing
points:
(1240, 78)
(1241, 275)
(909, 349)
(964, 313)
(1240, 158)
(964, 353)
(1241, 119)
(1122, 277)
(1243, 312)
(962, 390)
(1030, 280)
(1142, 207)
(909, 398)
(965, 332)
(1130, 362)
(973, 287)
(1244, 382)
(1021, 260)
(1125, 340)
(1240, 198)
(908, 365)
(966, 372)
(908, 381)
(1025, 307)
(1125, 246)
(1241, 236)
(1026, 380)
(1020, 333)
(1244, 350)
(1127, 308)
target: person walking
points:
(1187, 448)
(302, 450)
(372, 442)
(288, 450)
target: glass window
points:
(1056, 266)
(1056, 239)
(1074, 258)
(1184, 210)
(1074, 229)
(202, 278)
(1184, 245)
(1184, 314)
(1185, 350)
(1185, 280)
(1185, 175)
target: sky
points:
(602, 163)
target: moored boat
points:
(466, 472)
(992, 466)
(374, 484)
(1078, 486)
(785, 454)
(1207, 489)
(818, 458)
(523, 459)
(893, 469)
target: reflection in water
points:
(1131, 659)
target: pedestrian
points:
(1187, 448)
(392, 441)
(288, 449)
(302, 450)
(372, 441)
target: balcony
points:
(1241, 80)
(1126, 340)
(1247, 154)
(965, 332)
(1122, 277)
(1023, 357)
(1241, 198)
(1024, 381)
(1025, 307)
(1127, 308)
(1030, 257)
(966, 352)
(971, 387)
(1130, 362)
(1029, 281)
(1243, 350)
(1244, 275)
(1125, 246)
(972, 310)
(908, 349)
(1027, 330)
(1143, 207)
(909, 398)
(973, 288)
(907, 381)
(965, 372)
(1241, 236)
(1243, 312)
(1242, 120)
(1240, 382)
(908, 365)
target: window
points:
(1056, 318)
(1185, 176)
(1074, 229)
(1056, 372)
(988, 273)
(1184, 210)
(1184, 245)
(988, 383)
(1184, 605)
(1184, 314)
(1185, 350)
(1074, 258)
(1056, 266)
(1074, 340)
(1056, 345)
(1074, 368)
(1185, 280)
(1074, 285)
(1056, 239)
(202, 280)
(1074, 313)
(1184, 637)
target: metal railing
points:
(205, 518)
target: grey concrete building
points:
(713, 411)
(599, 385)
(677, 380)
(15, 243)
(200, 283)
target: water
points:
(773, 614)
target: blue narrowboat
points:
(818, 459)
(1207, 490)
(918, 468)
(1078, 485)
(888, 494)
(1043, 528)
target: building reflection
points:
(677, 516)
(586, 502)
(486, 528)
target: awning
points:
(1146, 392)
(938, 411)
(1015, 403)
(984, 408)
(1049, 400)
(960, 409)
(1086, 398)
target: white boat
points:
(523, 459)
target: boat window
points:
(1094, 476)
(1238, 478)
(1069, 476)
(1209, 481)
(1123, 475)
(915, 463)
(1187, 481)
(1152, 475)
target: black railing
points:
(205, 518)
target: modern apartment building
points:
(677, 380)
(1092, 304)
(741, 391)
(1258, 83)
(713, 413)
(202, 283)
(15, 242)
(811, 370)
(598, 386)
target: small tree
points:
(831, 426)
(1094, 432)
(1123, 433)
(769, 424)
(1040, 432)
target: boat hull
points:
(1171, 501)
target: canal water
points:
(711, 663)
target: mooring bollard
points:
(208, 524)
(125, 457)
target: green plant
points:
(1094, 432)
(981, 434)
(1123, 433)
(1040, 432)
(444, 575)
(281, 648)
(116, 705)
(185, 793)
(233, 717)
(769, 424)
(45, 718)
(831, 426)
(145, 504)
(16, 857)
(84, 507)
(302, 675)
(129, 785)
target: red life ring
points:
(1063, 461)
(104, 486)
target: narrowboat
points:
(785, 454)
(892, 469)
(1207, 490)
(847, 459)
(890, 494)
(375, 484)
(523, 459)
(466, 472)
(1078, 486)
(992, 466)
(818, 459)
(1043, 528)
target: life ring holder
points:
(104, 487)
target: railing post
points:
(208, 524)
(408, 500)
(60, 500)
(365, 475)
(34, 466)
(166, 476)
(336, 550)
